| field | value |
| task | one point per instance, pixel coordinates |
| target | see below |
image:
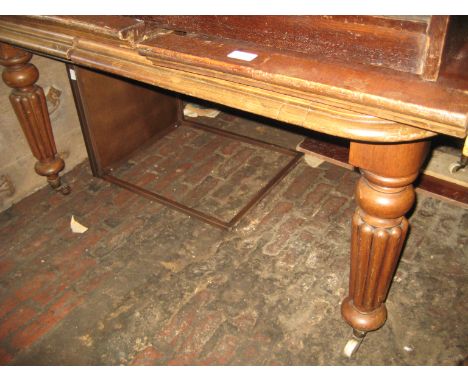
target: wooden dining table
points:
(388, 84)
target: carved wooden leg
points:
(30, 106)
(384, 194)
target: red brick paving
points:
(146, 285)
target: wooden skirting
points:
(336, 151)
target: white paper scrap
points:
(244, 56)
(194, 110)
(72, 75)
(313, 161)
(77, 227)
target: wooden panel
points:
(383, 42)
(443, 189)
(435, 43)
(454, 71)
(275, 79)
(329, 148)
(315, 116)
(383, 89)
(120, 115)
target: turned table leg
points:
(384, 194)
(30, 106)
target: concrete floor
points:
(148, 285)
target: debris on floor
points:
(147, 286)
(77, 227)
(193, 110)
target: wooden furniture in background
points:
(388, 84)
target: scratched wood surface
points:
(360, 102)
(395, 44)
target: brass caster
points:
(352, 346)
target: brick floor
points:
(211, 173)
(147, 285)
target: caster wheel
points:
(352, 347)
(454, 167)
(353, 344)
(64, 189)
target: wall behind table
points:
(16, 160)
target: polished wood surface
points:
(384, 194)
(28, 101)
(388, 84)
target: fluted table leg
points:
(30, 106)
(384, 194)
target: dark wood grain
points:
(435, 42)
(29, 103)
(331, 148)
(395, 44)
(120, 115)
(384, 194)
(449, 191)
(453, 71)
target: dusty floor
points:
(149, 285)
